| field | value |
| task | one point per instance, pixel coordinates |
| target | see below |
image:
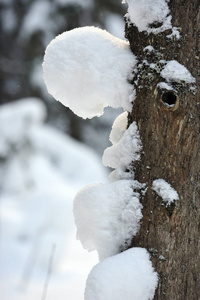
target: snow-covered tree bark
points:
(171, 144)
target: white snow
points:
(69, 156)
(25, 115)
(118, 128)
(165, 86)
(126, 276)
(174, 71)
(107, 216)
(165, 191)
(175, 33)
(144, 13)
(120, 155)
(41, 170)
(87, 69)
(149, 49)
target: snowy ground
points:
(41, 170)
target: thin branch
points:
(49, 271)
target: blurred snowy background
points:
(46, 153)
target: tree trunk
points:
(171, 144)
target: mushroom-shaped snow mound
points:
(87, 69)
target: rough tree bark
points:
(171, 144)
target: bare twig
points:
(49, 270)
(30, 263)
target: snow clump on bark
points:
(121, 154)
(128, 275)
(144, 13)
(165, 191)
(107, 216)
(173, 71)
(118, 128)
(152, 16)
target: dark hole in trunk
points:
(169, 98)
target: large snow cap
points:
(126, 276)
(87, 69)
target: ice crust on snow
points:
(174, 71)
(107, 216)
(128, 275)
(120, 155)
(87, 69)
(165, 191)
